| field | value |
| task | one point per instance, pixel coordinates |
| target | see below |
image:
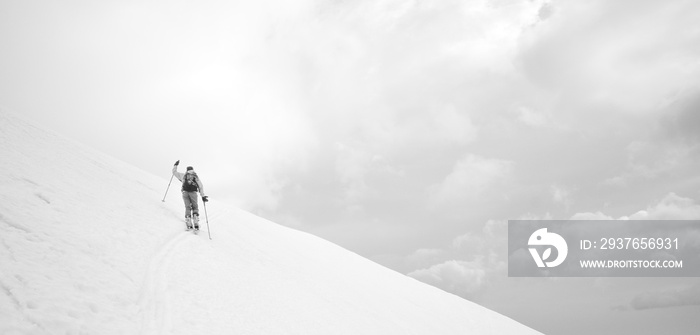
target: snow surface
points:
(87, 247)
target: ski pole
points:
(206, 217)
(166, 190)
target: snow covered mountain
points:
(87, 247)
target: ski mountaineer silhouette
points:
(190, 185)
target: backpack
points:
(189, 182)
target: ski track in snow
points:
(155, 311)
(155, 299)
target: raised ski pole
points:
(206, 217)
(166, 190)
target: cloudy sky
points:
(406, 131)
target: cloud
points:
(471, 176)
(602, 51)
(652, 159)
(671, 207)
(394, 90)
(682, 121)
(561, 195)
(351, 166)
(591, 216)
(669, 149)
(453, 127)
(434, 126)
(687, 296)
(531, 117)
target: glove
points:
(205, 198)
(177, 163)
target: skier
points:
(190, 185)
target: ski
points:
(192, 224)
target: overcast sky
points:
(406, 131)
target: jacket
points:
(181, 175)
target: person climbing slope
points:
(191, 184)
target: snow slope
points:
(87, 247)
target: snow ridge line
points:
(155, 311)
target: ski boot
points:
(196, 223)
(188, 222)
